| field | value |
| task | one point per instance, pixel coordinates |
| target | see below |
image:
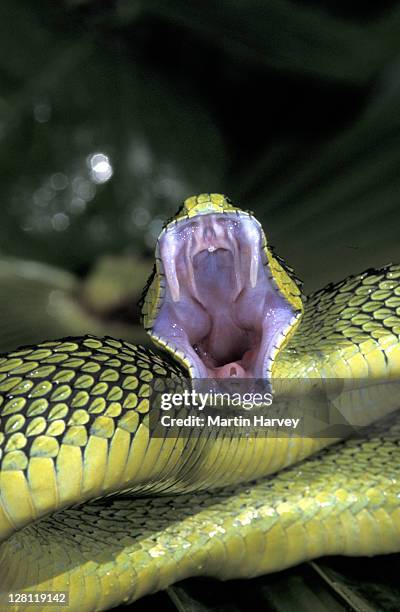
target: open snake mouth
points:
(222, 311)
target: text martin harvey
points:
(236, 421)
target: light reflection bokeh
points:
(100, 166)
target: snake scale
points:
(74, 429)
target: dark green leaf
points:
(284, 34)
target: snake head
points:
(219, 300)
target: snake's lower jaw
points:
(221, 311)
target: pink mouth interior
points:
(221, 309)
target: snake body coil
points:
(74, 432)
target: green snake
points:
(75, 435)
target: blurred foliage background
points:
(112, 112)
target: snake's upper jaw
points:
(222, 312)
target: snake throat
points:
(222, 308)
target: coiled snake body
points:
(74, 429)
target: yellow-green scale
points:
(74, 426)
